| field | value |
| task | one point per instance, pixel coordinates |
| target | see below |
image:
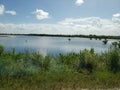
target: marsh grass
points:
(72, 71)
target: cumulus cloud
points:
(116, 15)
(79, 2)
(116, 18)
(94, 21)
(90, 25)
(41, 14)
(2, 9)
(12, 12)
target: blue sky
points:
(60, 16)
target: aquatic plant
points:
(116, 44)
(105, 41)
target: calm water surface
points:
(52, 45)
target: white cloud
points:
(116, 18)
(79, 2)
(41, 14)
(90, 25)
(116, 15)
(2, 9)
(12, 12)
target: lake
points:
(52, 45)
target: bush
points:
(46, 62)
(88, 61)
(114, 59)
(70, 59)
(1, 49)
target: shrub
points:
(46, 62)
(39, 60)
(105, 41)
(1, 49)
(70, 59)
(88, 61)
(113, 61)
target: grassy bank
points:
(33, 71)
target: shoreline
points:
(4, 35)
(61, 35)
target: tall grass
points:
(86, 69)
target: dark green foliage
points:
(116, 44)
(119, 44)
(88, 61)
(46, 62)
(61, 35)
(1, 49)
(114, 61)
(92, 50)
(105, 41)
(71, 59)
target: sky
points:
(100, 17)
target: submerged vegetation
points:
(33, 71)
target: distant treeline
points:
(61, 35)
